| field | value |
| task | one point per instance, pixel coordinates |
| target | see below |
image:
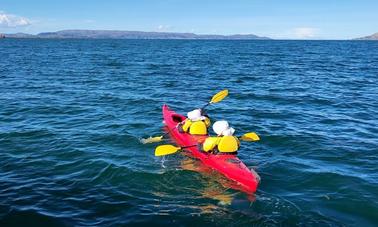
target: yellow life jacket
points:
(224, 144)
(196, 127)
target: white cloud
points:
(10, 20)
(305, 32)
(164, 28)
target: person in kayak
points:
(224, 142)
(195, 124)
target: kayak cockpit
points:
(178, 118)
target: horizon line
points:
(172, 32)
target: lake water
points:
(72, 113)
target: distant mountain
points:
(370, 37)
(19, 35)
(113, 34)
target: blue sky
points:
(290, 19)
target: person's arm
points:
(237, 140)
(207, 122)
(186, 125)
(210, 143)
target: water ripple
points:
(73, 111)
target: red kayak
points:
(229, 165)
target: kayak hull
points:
(230, 166)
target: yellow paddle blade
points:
(152, 139)
(219, 96)
(166, 150)
(250, 137)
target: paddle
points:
(156, 139)
(216, 98)
(249, 137)
(170, 149)
(152, 139)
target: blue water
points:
(72, 113)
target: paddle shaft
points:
(188, 146)
(170, 129)
(202, 109)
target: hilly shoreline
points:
(370, 37)
(115, 34)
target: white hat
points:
(195, 115)
(223, 128)
(228, 132)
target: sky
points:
(279, 19)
